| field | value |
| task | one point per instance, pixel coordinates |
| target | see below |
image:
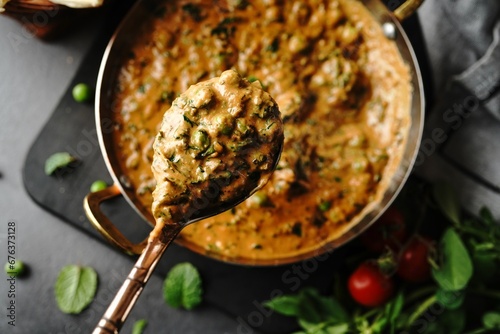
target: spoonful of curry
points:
(218, 143)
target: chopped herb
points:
(274, 46)
(252, 78)
(223, 27)
(167, 96)
(324, 206)
(337, 179)
(193, 11)
(297, 229)
(256, 246)
(186, 119)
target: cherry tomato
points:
(388, 231)
(368, 286)
(413, 264)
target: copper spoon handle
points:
(129, 292)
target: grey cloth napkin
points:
(461, 142)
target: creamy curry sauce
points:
(341, 86)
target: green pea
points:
(224, 125)
(324, 206)
(98, 185)
(201, 140)
(14, 269)
(242, 127)
(81, 92)
(260, 198)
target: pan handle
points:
(407, 9)
(92, 206)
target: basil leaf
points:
(58, 160)
(315, 308)
(456, 268)
(75, 288)
(451, 300)
(491, 320)
(182, 286)
(286, 305)
(447, 201)
(139, 326)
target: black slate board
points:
(237, 290)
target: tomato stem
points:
(421, 309)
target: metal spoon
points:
(172, 208)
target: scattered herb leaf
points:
(286, 305)
(75, 288)
(182, 286)
(58, 160)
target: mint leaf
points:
(56, 161)
(447, 201)
(182, 286)
(456, 268)
(139, 326)
(75, 288)
(286, 305)
(315, 308)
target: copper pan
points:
(110, 65)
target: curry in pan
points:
(342, 88)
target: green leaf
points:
(456, 268)
(75, 288)
(447, 201)
(286, 305)
(315, 308)
(58, 160)
(486, 216)
(451, 300)
(491, 320)
(182, 286)
(139, 326)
